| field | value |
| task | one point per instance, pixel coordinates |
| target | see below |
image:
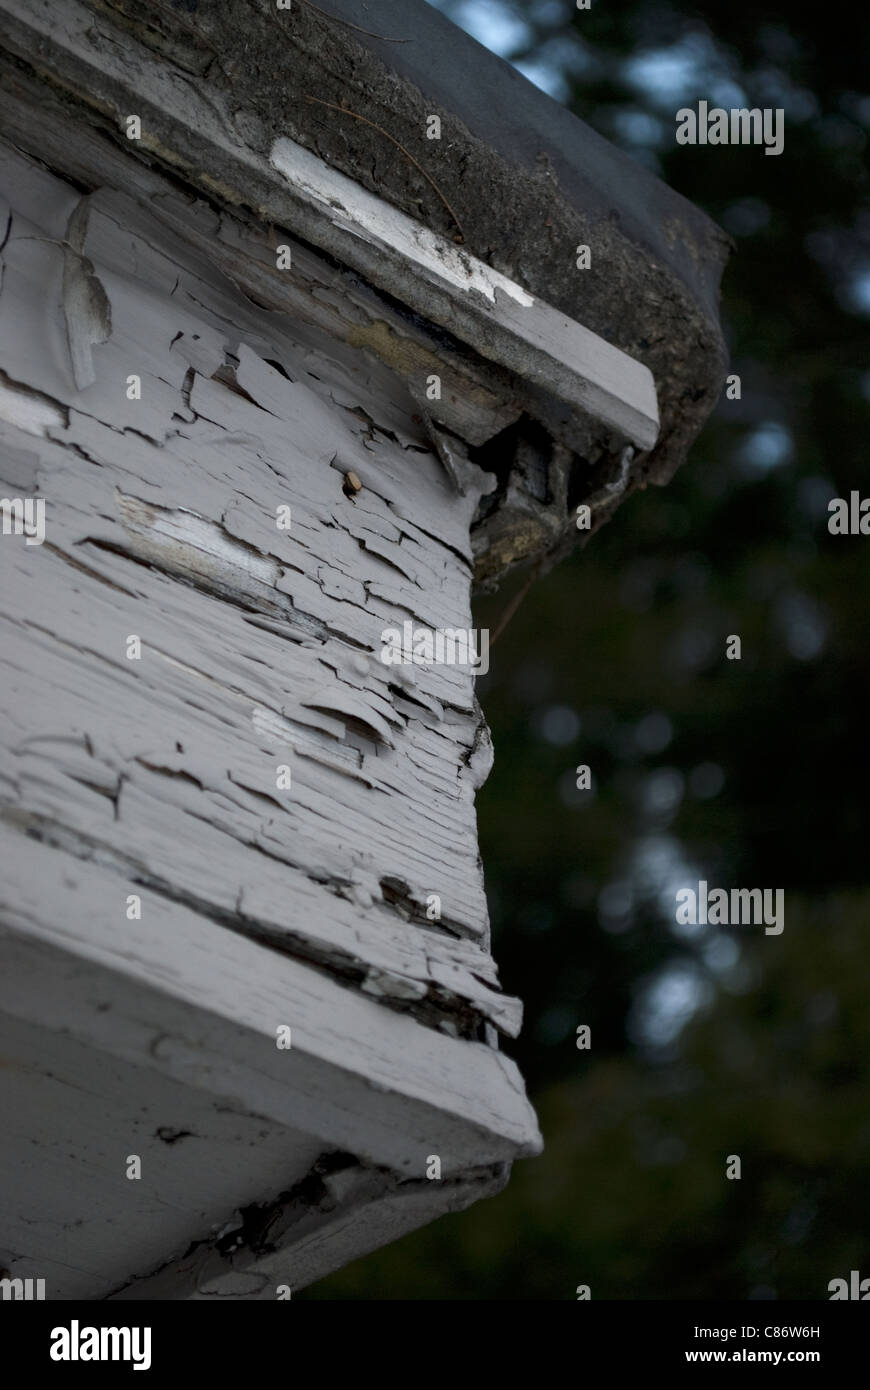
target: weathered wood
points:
(592, 397)
(223, 813)
(421, 267)
(156, 776)
(502, 319)
(118, 1039)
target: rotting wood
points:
(589, 395)
(169, 393)
(156, 776)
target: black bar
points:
(228, 1338)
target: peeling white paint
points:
(28, 410)
(522, 332)
(156, 777)
(350, 206)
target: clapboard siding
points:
(261, 905)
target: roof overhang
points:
(585, 383)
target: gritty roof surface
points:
(529, 181)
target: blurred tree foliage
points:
(706, 1042)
